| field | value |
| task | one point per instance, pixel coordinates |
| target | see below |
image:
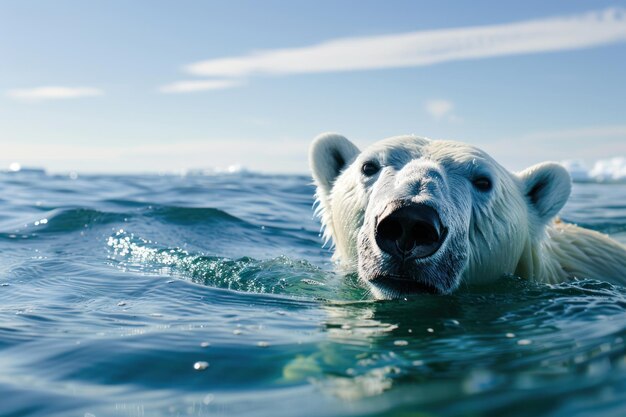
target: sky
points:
(155, 86)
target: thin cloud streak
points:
(53, 93)
(423, 48)
(203, 85)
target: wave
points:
(61, 221)
(611, 170)
(72, 219)
(280, 275)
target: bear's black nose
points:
(412, 231)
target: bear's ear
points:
(547, 188)
(329, 154)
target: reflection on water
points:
(512, 336)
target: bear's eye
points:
(482, 184)
(370, 168)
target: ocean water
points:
(210, 295)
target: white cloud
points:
(53, 93)
(202, 85)
(439, 108)
(427, 47)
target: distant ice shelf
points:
(604, 170)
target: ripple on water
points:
(204, 295)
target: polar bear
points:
(413, 215)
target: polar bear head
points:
(417, 215)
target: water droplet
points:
(510, 335)
(430, 330)
(400, 343)
(205, 344)
(263, 344)
(524, 342)
(200, 365)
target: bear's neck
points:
(567, 251)
(538, 261)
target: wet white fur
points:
(507, 232)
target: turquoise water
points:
(114, 289)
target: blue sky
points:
(119, 86)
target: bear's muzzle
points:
(411, 231)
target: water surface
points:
(114, 289)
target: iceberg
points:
(611, 170)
